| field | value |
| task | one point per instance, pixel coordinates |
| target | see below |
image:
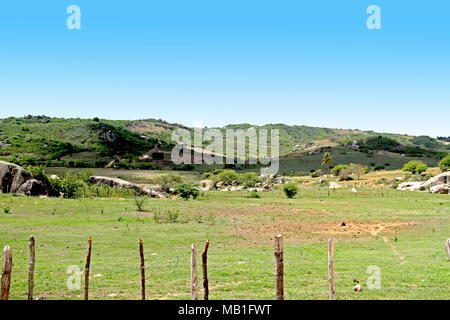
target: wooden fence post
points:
(447, 247)
(279, 268)
(86, 270)
(205, 270)
(6, 272)
(194, 291)
(141, 251)
(32, 245)
(331, 267)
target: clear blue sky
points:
(230, 61)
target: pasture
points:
(402, 233)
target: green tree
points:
(290, 190)
(415, 167)
(444, 164)
(327, 161)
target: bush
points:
(140, 201)
(378, 167)
(145, 166)
(316, 173)
(254, 195)
(69, 185)
(167, 181)
(249, 179)
(336, 170)
(187, 190)
(415, 167)
(290, 190)
(169, 216)
(226, 176)
(444, 164)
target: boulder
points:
(334, 185)
(410, 186)
(122, 184)
(443, 178)
(441, 189)
(33, 188)
(207, 185)
(12, 177)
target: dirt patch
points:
(296, 230)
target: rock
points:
(354, 190)
(357, 288)
(219, 184)
(334, 185)
(33, 188)
(238, 188)
(207, 185)
(12, 177)
(410, 186)
(443, 178)
(441, 189)
(122, 184)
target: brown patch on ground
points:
(296, 230)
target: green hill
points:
(96, 142)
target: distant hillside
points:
(96, 142)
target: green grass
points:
(412, 259)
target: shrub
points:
(336, 170)
(444, 164)
(167, 181)
(145, 166)
(140, 201)
(7, 210)
(316, 173)
(254, 195)
(415, 167)
(378, 167)
(187, 190)
(226, 176)
(290, 190)
(168, 216)
(249, 179)
(69, 185)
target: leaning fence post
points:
(447, 247)
(141, 251)
(6, 272)
(331, 267)
(279, 268)
(194, 293)
(32, 245)
(205, 270)
(86, 270)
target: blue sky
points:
(220, 62)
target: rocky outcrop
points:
(12, 177)
(334, 185)
(33, 188)
(122, 184)
(442, 180)
(410, 186)
(441, 189)
(207, 185)
(15, 179)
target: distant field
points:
(403, 233)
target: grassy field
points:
(403, 233)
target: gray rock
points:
(441, 189)
(122, 184)
(207, 185)
(12, 177)
(33, 188)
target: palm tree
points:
(327, 161)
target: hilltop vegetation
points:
(34, 140)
